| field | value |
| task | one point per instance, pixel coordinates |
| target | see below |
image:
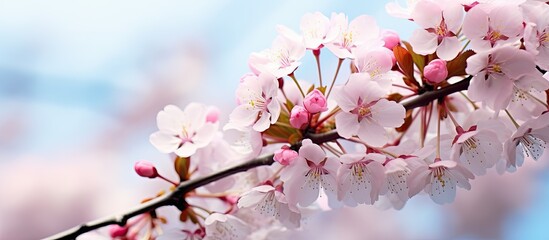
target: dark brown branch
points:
(175, 198)
(172, 199)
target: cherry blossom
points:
(536, 32)
(440, 23)
(362, 31)
(316, 30)
(269, 201)
(361, 178)
(285, 156)
(364, 112)
(279, 60)
(529, 140)
(216, 156)
(183, 132)
(390, 38)
(259, 106)
(362, 145)
(487, 28)
(225, 227)
(476, 149)
(245, 142)
(528, 91)
(439, 180)
(396, 10)
(494, 73)
(377, 62)
(397, 171)
(308, 174)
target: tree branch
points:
(176, 198)
(173, 198)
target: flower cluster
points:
(464, 96)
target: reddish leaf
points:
(406, 64)
(457, 66)
(394, 97)
(407, 122)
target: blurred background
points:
(81, 83)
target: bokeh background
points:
(81, 83)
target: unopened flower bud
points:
(285, 155)
(212, 115)
(145, 169)
(435, 72)
(299, 117)
(315, 102)
(390, 38)
(118, 231)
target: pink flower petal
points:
(423, 42)
(449, 48)
(427, 14)
(346, 124)
(372, 133)
(388, 113)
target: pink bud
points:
(145, 169)
(299, 117)
(390, 38)
(435, 72)
(118, 231)
(213, 115)
(315, 102)
(285, 155)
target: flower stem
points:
(537, 100)
(332, 149)
(512, 119)
(438, 135)
(404, 87)
(297, 84)
(167, 180)
(469, 100)
(335, 77)
(332, 113)
(456, 124)
(317, 58)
